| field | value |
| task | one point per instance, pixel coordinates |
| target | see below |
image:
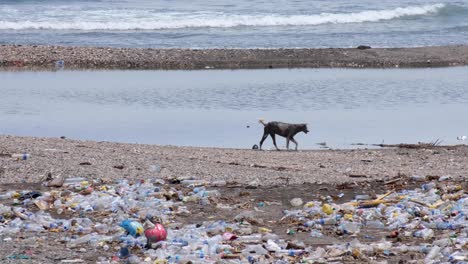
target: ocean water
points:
(220, 108)
(234, 24)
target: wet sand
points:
(106, 160)
(24, 57)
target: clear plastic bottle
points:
(101, 228)
(255, 249)
(349, 228)
(433, 253)
(23, 156)
(193, 182)
(417, 178)
(32, 227)
(425, 233)
(316, 233)
(218, 183)
(291, 252)
(326, 221)
(375, 224)
(256, 238)
(428, 186)
(5, 196)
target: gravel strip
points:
(73, 158)
(24, 57)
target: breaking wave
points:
(157, 21)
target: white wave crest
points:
(217, 20)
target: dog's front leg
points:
(265, 135)
(287, 143)
(295, 142)
(274, 141)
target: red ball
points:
(156, 234)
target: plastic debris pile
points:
(109, 217)
(430, 220)
(116, 218)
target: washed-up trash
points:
(316, 233)
(229, 236)
(23, 156)
(124, 252)
(418, 178)
(72, 261)
(60, 64)
(132, 227)
(362, 197)
(395, 223)
(154, 233)
(29, 195)
(41, 204)
(296, 202)
(56, 182)
(155, 168)
(327, 209)
(19, 256)
(349, 228)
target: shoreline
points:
(108, 160)
(32, 57)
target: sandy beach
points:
(268, 180)
(24, 57)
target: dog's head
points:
(304, 128)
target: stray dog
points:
(282, 129)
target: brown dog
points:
(282, 129)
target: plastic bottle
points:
(101, 228)
(23, 156)
(74, 180)
(316, 233)
(425, 233)
(219, 183)
(433, 253)
(428, 186)
(362, 197)
(32, 227)
(212, 193)
(417, 178)
(179, 243)
(445, 177)
(80, 240)
(5, 196)
(254, 249)
(375, 224)
(349, 228)
(458, 256)
(193, 182)
(442, 242)
(326, 221)
(443, 226)
(256, 238)
(291, 252)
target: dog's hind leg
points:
(265, 135)
(287, 143)
(274, 141)
(295, 142)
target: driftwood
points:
(419, 145)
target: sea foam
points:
(159, 21)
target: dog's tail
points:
(262, 121)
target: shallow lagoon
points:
(220, 108)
